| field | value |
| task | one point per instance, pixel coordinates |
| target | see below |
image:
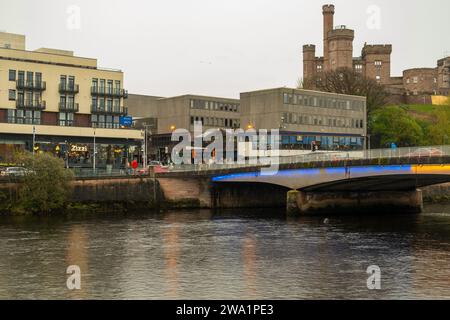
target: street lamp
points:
(95, 151)
(146, 130)
(34, 138)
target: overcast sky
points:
(222, 47)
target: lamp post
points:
(34, 138)
(145, 157)
(95, 151)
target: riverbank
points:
(141, 193)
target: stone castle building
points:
(419, 85)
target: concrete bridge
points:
(380, 184)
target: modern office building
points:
(307, 118)
(53, 101)
(164, 115)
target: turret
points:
(309, 57)
(328, 23)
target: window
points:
(66, 119)
(102, 85)
(21, 76)
(94, 103)
(416, 79)
(12, 95)
(102, 104)
(378, 78)
(109, 105)
(12, 115)
(358, 67)
(29, 77)
(110, 86)
(378, 63)
(38, 78)
(408, 81)
(12, 75)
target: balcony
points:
(69, 107)
(109, 92)
(31, 85)
(30, 105)
(69, 88)
(119, 111)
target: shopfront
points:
(77, 152)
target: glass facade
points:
(325, 142)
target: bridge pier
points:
(383, 202)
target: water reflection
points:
(226, 255)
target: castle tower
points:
(340, 47)
(377, 59)
(309, 58)
(328, 23)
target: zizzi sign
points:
(75, 148)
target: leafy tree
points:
(46, 185)
(395, 125)
(439, 132)
(347, 81)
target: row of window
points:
(65, 119)
(99, 103)
(322, 102)
(24, 116)
(104, 83)
(217, 122)
(31, 77)
(214, 106)
(105, 121)
(23, 76)
(358, 67)
(13, 95)
(416, 80)
(317, 120)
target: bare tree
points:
(347, 81)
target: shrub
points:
(46, 186)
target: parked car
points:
(15, 172)
(426, 152)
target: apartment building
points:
(53, 101)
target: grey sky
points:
(224, 47)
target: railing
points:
(69, 88)
(99, 173)
(405, 153)
(30, 105)
(31, 85)
(109, 91)
(105, 110)
(69, 107)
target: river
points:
(238, 254)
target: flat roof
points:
(307, 91)
(200, 97)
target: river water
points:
(243, 254)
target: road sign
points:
(126, 121)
